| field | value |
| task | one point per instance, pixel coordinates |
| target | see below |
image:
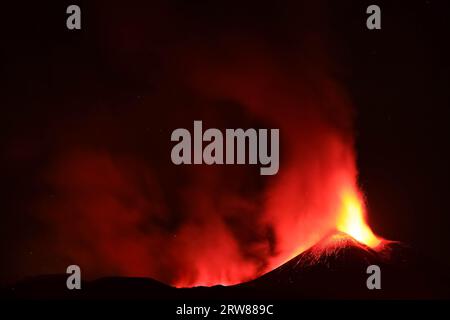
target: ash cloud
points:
(110, 198)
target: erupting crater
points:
(352, 220)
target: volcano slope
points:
(336, 268)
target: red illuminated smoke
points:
(131, 212)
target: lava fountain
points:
(352, 219)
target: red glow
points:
(104, 219)
(117, 212)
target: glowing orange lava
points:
(352, 219)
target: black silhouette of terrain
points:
(335, 268)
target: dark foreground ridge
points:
(335, 268)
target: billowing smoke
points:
(119, 206)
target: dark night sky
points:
(397, 78)
(403, 121)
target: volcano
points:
(334, 268)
